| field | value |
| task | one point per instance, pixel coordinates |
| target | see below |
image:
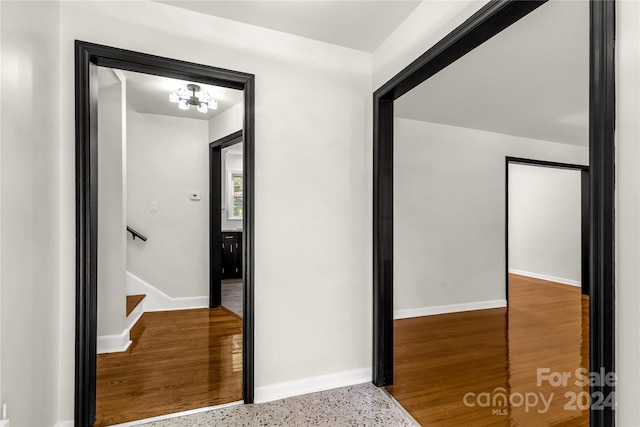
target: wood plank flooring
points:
(133, 301)
(439, 359)
(179, 360)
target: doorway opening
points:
(89, 57)
(576, 242)
(226, 179)
(486, 23)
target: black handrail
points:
(135, 234)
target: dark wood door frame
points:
(487, 22)
(215, 216)
(88, 57)
(584, 214)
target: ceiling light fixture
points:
(185, 100)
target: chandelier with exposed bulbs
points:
(185, 100)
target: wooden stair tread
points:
(133, 301)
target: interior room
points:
(326, 229)
(460, 326)
(154, 279)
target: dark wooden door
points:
(228, 255)
(237, 258)
(231, 255)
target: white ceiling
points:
(531, 80)
(150, 94)
(359, 24)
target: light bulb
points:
(203, 108)
(183, 104)
(205, 97)
(173, 97)
(213, 104)
(182, 93)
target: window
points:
(236, 189)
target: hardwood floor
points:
(179, 360)
(439, 359)
(133, 301)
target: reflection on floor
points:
(360, 405)
(232, 295)
(441, 359)
(179, 360)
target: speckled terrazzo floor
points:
(360, 405)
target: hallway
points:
(179, 360)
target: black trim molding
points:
(602, 186)
(545, 163)
(484, 24)
(487, 22)
(227, 141)
(584, 215)
(87, 57)
(215, 215)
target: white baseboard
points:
(299, 387)
(451, 308)
(122, 341)
(546, 277)
(156, 300)
(65, 423)
(113, 343)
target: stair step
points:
(133, 301)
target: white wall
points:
(449, 210)
(30, 203)
(227, 122)
(313, 102)
(545, 222)
(220, 126)
(231, 161)
(112, 243)
(628, 212)
(296, 79)
(168, 158)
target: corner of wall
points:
(66, 272)
(30, 273)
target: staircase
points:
(133, 301)
(135, 310)
(120, 342)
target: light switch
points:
(194, 195)
(153, 207)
